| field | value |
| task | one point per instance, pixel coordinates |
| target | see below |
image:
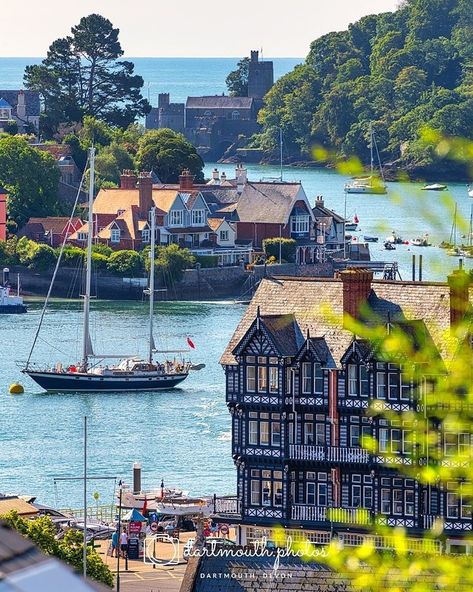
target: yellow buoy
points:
(16, 389)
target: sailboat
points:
(371, 184)
(131, 373)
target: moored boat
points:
(370, 239)
(434, 187)
(93, 373)
(371, 184)
(9, 303)
(421, 242)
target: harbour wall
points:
(197, 284)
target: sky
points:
(191, 28)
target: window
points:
(364, 381)
(397, 502)
(145, 235)
(318, 380)
(368, 496)
(452, 505)
(356, 496)
(320, 439)
(251, 379)
(277, 488)
(224, 235)
(396, 437)
(405, 388)
(300, 224)
(385, 501)
(409, 502)
(381, 385)
(288, 381)
(352, 380)
(264, 433)
(393, 385)
(115, 235)
(262, 379)
(383, 440)
(322, 490)
(310, 494)
(255, 493)
(273, 379)
(309, 433)
(198, 217)
(275, 433)
(253, 433)
(306, 378)
(354, 436)
(176, 218)
(82, 236)
(235, 115)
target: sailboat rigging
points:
(372, 184)
(132, 373)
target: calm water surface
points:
(182, 435)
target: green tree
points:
(409, 85)
(83, 75)
(168, 153)
(171, 261)
(237, 81)
(42, 532)
(111, 161)
(31, 179)
(288, 248)
(125, 263)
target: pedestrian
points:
(124, 542)
(115, 544)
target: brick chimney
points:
(186, 180)
(128, 180)
(459, 283)
(145, 188)
(356, 289)
(319, 201)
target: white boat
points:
(371, 184)
(93, 373)
(434, 187)
(9, 302)
(470, 191)
(421, 242)
(394, 239)
(166, 501)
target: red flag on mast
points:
(356, 219)
(190, 343)
(145, 506)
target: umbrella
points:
(134, 516)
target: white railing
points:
(306, 452)
(227, 505)
(333, 453)
(322, 514)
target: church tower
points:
(260, 76)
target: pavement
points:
(145, 577)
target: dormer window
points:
(5, 110)
(198, 217)
(357, 380)
(145, 235)
(176, 218)
(120, 212)
(300, 224)
(115, 235)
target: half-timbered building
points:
(301, 389)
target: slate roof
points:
(323, 212)
(4, 104)
(242, 574)
(317, 305)
(32, 101)
(219, 102)
(53, 224)
(285, 332)
(267, 203)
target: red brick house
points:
(51, 230)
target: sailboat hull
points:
(55, 382)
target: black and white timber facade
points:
(298, 390)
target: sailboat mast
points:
(371, 149)
(88, 263)
(151, 283)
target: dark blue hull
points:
(76, 382)
(9, 309)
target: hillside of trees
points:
(404, 71)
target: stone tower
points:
(260, 76)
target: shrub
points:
(171, 262)
(72, 255)
(207, 261)
(102, 249)
(99, 261)
(43, 257)
(24, 249)
(8, 254)
(288, 248)
(125, 263)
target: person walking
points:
(124, 542)
(115, 544)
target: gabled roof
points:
(323, 212)
(111, 201)
(32, 101)
(4, 104)
(219, 102)
(317, 306)
(54, 224)
(266, 203)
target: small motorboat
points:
(351, 226)
(421, 242)
(370, 239)
(470, 191)
(434, 187)
(394, 239)
(389, 246)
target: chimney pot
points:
(128, 179)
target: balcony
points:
(328, 454)
(305, 513)
(227, 506)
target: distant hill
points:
(401, 70)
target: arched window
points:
(235, 115)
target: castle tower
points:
(260, 76)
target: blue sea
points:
(181, 77)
